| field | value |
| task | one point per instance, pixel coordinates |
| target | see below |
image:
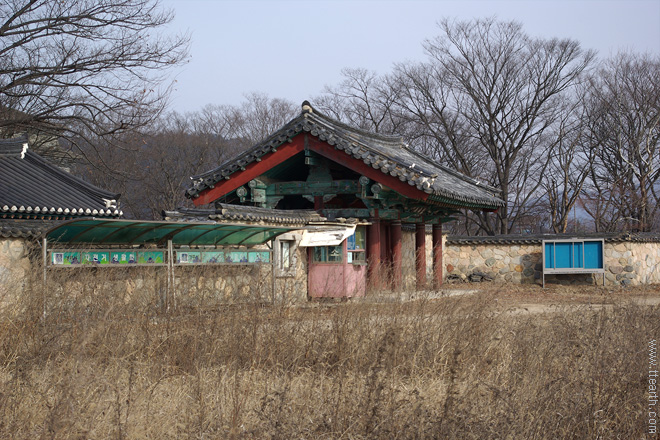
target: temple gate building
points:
(385, 191)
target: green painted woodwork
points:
(312, 158)
(311, 188)
(269, 189)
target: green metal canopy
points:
(134, 232)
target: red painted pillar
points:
(373, 251)
(437, 255)
(384, 276)
(395, 237)
(420, 254)
(384, 227)
(318, 203)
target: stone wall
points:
(518, 264)
(14, 261)
(626, 263)
(291, 284)
(409, 273)
(21, 269)
(14, 267)
(409, 276)
(632, 263)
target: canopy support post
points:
(272, 266)
(44, 249)
(170, 277)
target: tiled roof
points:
(533, 239)
(31, 187)
(247, 214)
(388, 154)
(18, 232)
(13, 228)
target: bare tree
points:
(624, 121)
(84, 68)
(152, 168)
(260, 116)
(487, 97)
(364, 100)
(571, 162)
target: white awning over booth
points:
(326, 236)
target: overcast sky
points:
(292, 49)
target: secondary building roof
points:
(30, 187)
(388, 154)
(23, 228)
(224, 212)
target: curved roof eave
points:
(389, 154)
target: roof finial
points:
(307, 107)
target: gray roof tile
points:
(388, 154)
(536, 239)
(250, 214)
(30, 186)
(21, 228)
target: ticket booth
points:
(338, 270)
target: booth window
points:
(355, 245)
(327, 254)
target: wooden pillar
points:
(318, 203)
(395, 238)
(384, 229)
(420, 254)
(373, 251)
(384, 275)
(437, 255)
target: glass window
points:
(319, 254)
(358, 257)
(334, 254)
(357, 240)
(285, 254)
(327, 254)
(360, 237)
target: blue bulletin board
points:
(574, 256)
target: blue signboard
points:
(573, 256)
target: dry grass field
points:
(100, 365)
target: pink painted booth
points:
(339, 271)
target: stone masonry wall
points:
(20, 266)
(291, 284)
(408, 260)
(518, 264)
(409, 273)
(14, 267)
(626, 263)
(632, 263)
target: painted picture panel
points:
(236, 257)
(211, 257)
(151, 257)
(96, 258)
(258, 257)
(188, 257)
(65, 258)
(123, 257)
